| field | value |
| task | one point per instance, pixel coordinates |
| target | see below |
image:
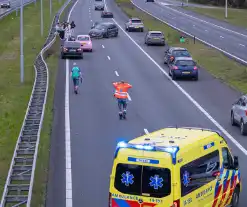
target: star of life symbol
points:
(156, 182)
(127, 178)
(186, 179)
(211, 166)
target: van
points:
(175, 167)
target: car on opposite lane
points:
(149, 0)
(106, 14)
(85, 41)
(239, 114)
(155, 38)
(134, 24)
(104, 30)
(174, 52)
(183, 67)
(5, 4)
(99, 6)
(71, 49)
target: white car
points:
(134, 24)
(239, 114)
(5, 4)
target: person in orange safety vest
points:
(121, 93)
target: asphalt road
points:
(155, 103)
(179, 3)
(222, 35)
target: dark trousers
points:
(122, 103)
(61, 34)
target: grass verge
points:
(237, 17)
(42, 166)
(14, 96)
(223, 68)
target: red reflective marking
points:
(224, 193)
(216, 197)
(133, 203)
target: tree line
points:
(231, 3)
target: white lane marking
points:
(116, 73)
(222, 37)
(206, 30)
(176, 28)
(68, 168)
(91, 20)
(197, 105)
(129, 98)
(108, 57)
(194, 25)
(173, 17)
(146, 131)
(207, 22)
(242, 45)
(103, 46)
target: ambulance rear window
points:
(139, 180)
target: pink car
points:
(86, 43)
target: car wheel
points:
(243, 128)
(196, 78)
(62, 56)
(81, 57)
(91, 50)
(116, 34)
(233, 122)
(235, 197)
(173, 76)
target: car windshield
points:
(156, 34)
(139, 180)
(136, 21)
(72, 44)
(181, 53)
(83, 38)
(185, 63)
(100, 26)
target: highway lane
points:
(232, 42)
(95, 127)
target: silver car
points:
(239, 114)
(134, 24)
(99, 6)
(5, 4)
(155, 38)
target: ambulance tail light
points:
(176, 203)
(110, 200)
(216, 174)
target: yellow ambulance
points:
(175, 167)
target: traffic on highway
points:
(147, 126)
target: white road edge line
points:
(229, 136)
(181, 30)
(116, 73)
(108, 57)
(146, 131)
(206, 22)
(103, 46)
(68, 168)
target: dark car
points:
(149, 0)
(106, 14)
(183, 67)
(5, 4)
(99, 6)
(174, 52)
(104, 30)
(71, 49)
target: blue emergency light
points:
(172, 150)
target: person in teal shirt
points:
(75, 74)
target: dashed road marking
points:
(116, 73)
(222, 37)
(108, 57)
(242, 45)
(146, 131)
(103, 46)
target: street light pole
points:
(21, 43)
(226, 9)
(50, 8)
(41, 13)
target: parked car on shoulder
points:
(239, 114)
(5, 4)
(155, 38)
(174, 52)
(134, 24)
(71, 49)
(183, 67)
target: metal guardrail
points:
(19, 183)
(9, 11)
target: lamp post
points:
(42, 18)
(21, 44)
(226, 9)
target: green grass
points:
(42, 166)
(228, 71)
(236, 17)
(14, 96)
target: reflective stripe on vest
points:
(121, 94)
